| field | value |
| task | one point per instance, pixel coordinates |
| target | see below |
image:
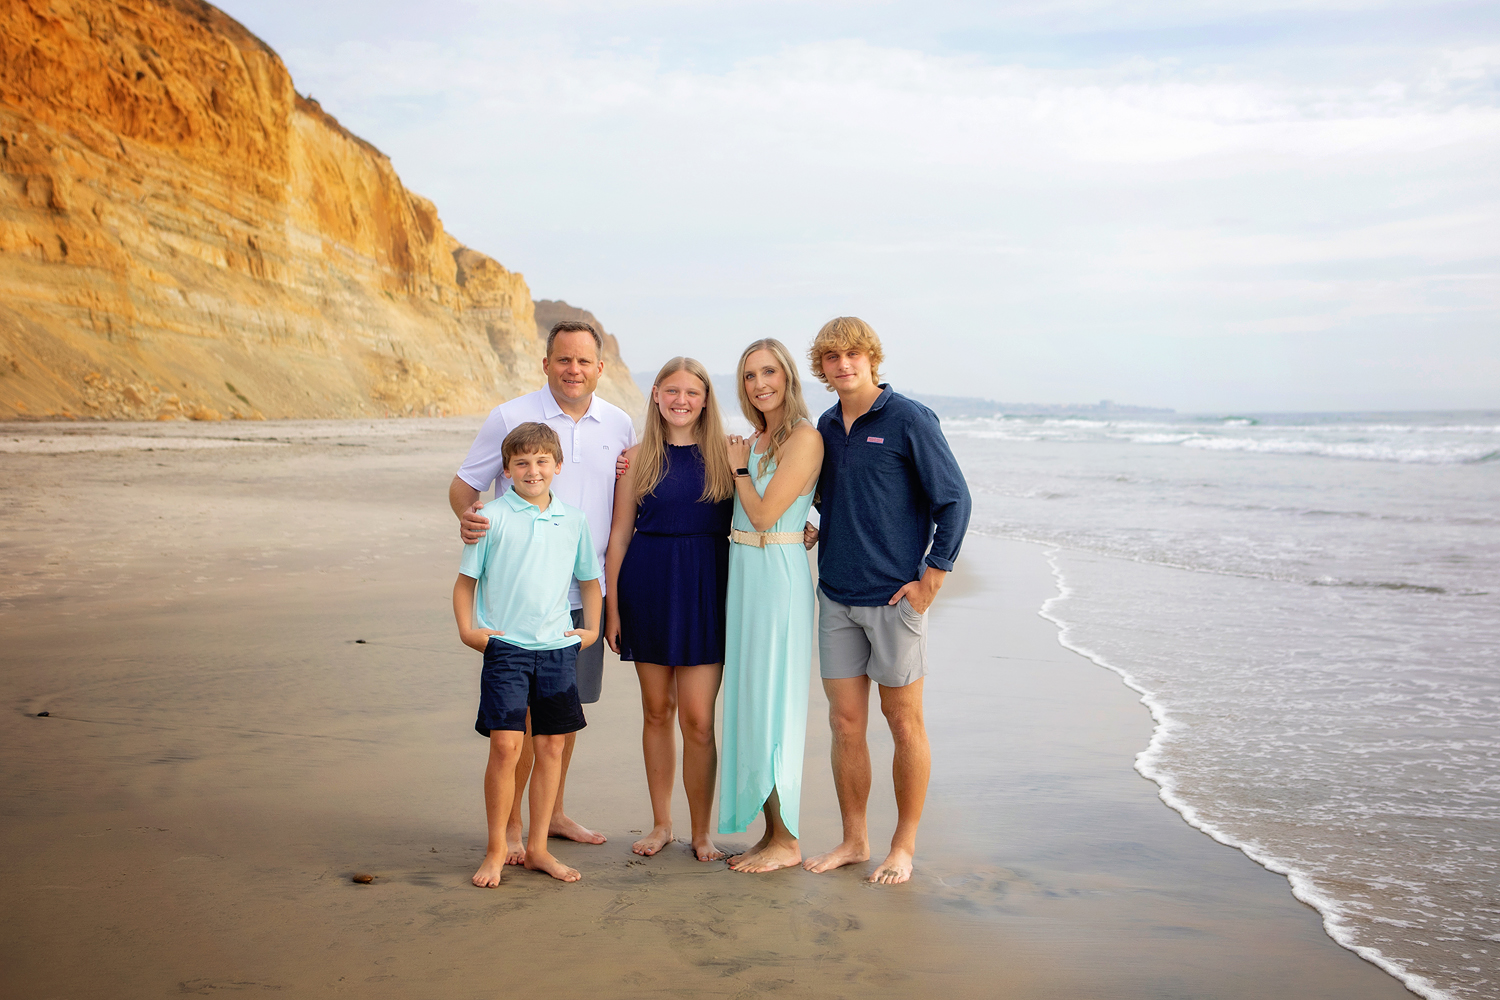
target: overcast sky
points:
(1210, 206)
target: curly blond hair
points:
(841, 334)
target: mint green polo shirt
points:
(524, 565)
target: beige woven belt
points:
(760, 539)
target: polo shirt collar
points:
(880, 401)
(519, 503)
(551, 408)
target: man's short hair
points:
(529, 439)
(575, 326)
(842, 334)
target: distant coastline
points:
(968, 406)
(955, 407)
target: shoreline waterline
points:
(1149, 764)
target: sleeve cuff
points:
(946, 565)
(469, 479)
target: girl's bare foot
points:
(846, 853)
(515, 845)
(704, 850)
(896, 868)
(566, 829)
(539, 861)
(488, 875)
(772, 857)
(659, 837)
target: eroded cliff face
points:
(182, 234)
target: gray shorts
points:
(590, 664)
(887, 643)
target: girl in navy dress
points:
(667, 571)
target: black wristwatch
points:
(742, 471)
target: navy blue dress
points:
(675, 574)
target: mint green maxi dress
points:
(767, 668)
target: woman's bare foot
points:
(659, 837)
(539, 861)
(894, 869)
(566, 829)
(515, 845)
(704, 850)
(488, 875)
(772, 857)
(845, 854)
(760, 845)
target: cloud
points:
(1174, 194)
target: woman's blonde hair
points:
(651, 460)
(793, 406)
(840, 335)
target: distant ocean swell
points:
(1150, 764)
(1382, 443)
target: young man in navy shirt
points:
(894, 509)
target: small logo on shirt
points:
(875, 440)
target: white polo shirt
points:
(590, 447)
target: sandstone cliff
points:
(182, 234)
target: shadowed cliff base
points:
(183, 235)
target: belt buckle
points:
(760, 539)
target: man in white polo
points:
(593, 434)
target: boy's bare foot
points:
(515, 845)
(894, 869)
(704, 850)
(659, 837)
(539, 861)
(769, 859)
(488, 875)
(845, 854)
(566, 829)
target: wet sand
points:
(222, 753)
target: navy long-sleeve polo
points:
(890, 486)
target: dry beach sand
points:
(222, 753)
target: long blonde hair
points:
(651, 460)
(793, 406)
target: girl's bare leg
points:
(697, 690)
(659, 744)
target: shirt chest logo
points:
(875, 440)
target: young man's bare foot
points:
(539, 862)
(895, 868)
(704, 850)
(844, 854)
(566, 829)
(770, 858)
(488, 875)
(659, 837)
(515, 845)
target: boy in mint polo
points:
(511, 603)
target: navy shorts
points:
(515, 679)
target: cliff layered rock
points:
(183, 235)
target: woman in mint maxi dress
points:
(769, 611)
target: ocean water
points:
(1310, 606)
